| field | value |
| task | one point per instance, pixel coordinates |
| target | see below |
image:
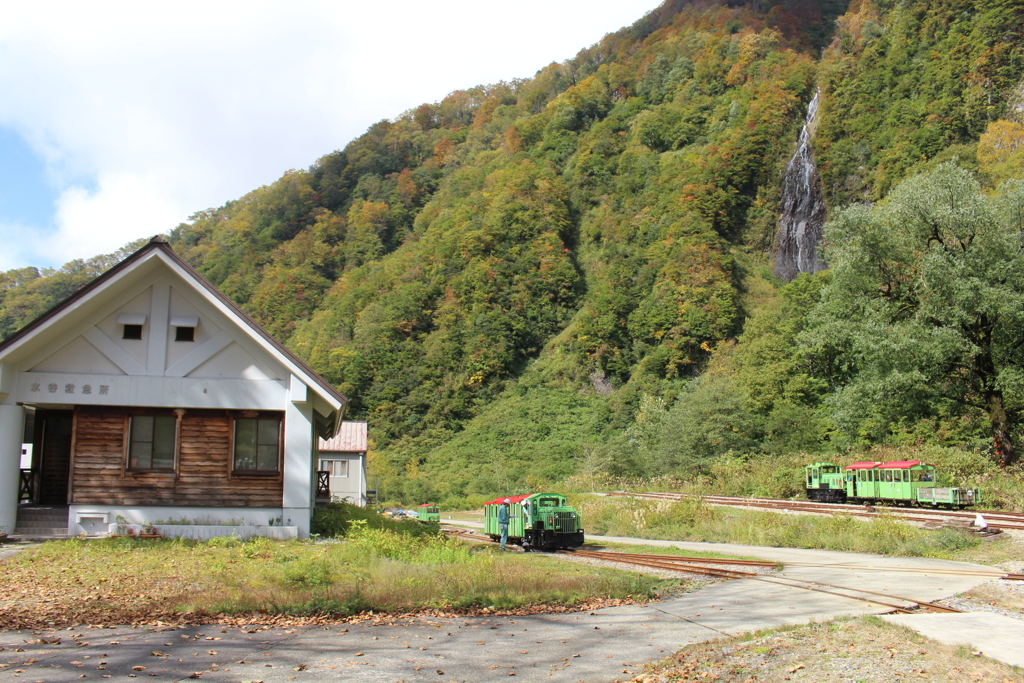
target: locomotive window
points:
(553, 502)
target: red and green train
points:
(900, 482)
(536, 520)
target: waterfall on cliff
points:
(803, 209)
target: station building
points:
(155, 397)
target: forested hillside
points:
(572, 272)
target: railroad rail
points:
(693, 564)
(690, 565)
(996, 519)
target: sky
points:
(119, 120)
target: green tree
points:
(926, 306)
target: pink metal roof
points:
(351, 438)
(901, 464)
(893, 465)
(511, 499)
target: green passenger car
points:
(905, 482)
(536, 520)
(428, 512)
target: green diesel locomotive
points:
(902, 482)
(536, 520)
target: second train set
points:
(902, 482)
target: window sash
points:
(152, 442)
(257, 444)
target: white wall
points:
(299, 468)
(96, 519)
(12, 429)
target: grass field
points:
(693, 520)
(125, 580)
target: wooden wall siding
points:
(202, 479)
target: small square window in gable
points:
(184, 328)
(132, 325)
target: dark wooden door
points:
(53, 444)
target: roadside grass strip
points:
(693, 520)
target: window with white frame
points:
(337, 468)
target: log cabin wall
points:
(202, 475)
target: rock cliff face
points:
(803, 209)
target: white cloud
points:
(146, 113)
(124, 207)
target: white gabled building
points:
(156, 397)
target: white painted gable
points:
(77, 353)
(218, 350)
(80, 355)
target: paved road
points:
(602, 646)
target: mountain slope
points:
(499, 278)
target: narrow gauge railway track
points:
(897, 603)
(995, 518)
(461, 532)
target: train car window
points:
(887, 475)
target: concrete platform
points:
(993, 635)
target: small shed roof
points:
(351, 438)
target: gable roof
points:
(158, 247)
